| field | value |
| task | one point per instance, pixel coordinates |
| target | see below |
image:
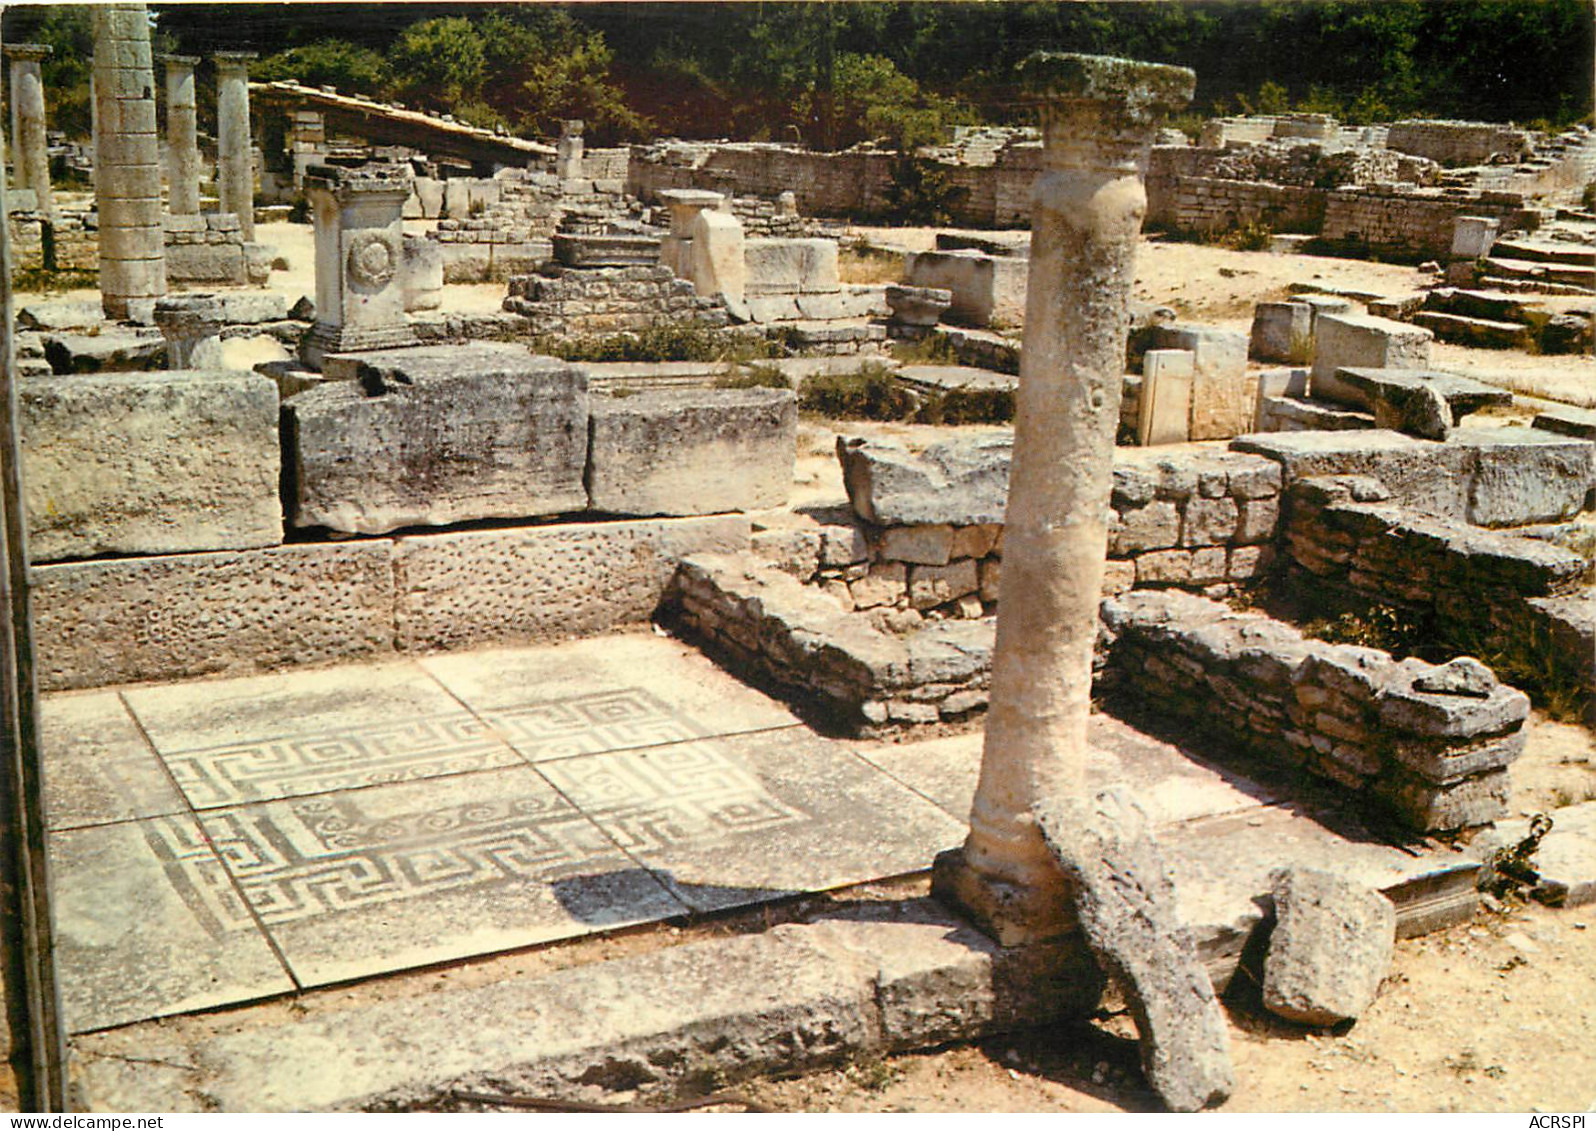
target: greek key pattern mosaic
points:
(316, 856)
(198, 877)
(591, 724)
(359, 756)
(651, 800)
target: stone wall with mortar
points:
(1431, 743)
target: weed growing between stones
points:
(934, 349)
(1389, 629)
(757, 375)
(1522, 651)
(662, 341)
(46, 281)
(870, 392)
(865, 263)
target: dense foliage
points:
(833, 74)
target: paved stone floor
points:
(221, 841)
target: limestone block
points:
(963, 482)
(718, 264)
(1222, 394)
(1526, 475)
(1155, 526)
(436, 435)
(1330, 948)
(430, 193)
(791, 266)
(1166, 399)
(1472, 236)
(480, 588)
(1354, 340)
(917, 306)
(112, 350)
(1282, 331)
(932, 585)
(921, 544)
(986, 289)
(692, 451)
(252, 307)
(883, 585)
(150, 463)
(186, 615)
(1422, 474)
(423, 275)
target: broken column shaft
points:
(30, 154)
(1098, 120)
(127, 164)
(235, 164)
(182, 136)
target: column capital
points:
(188, 62)
(1145, 91)
(27, 52)
(346, 184)
(235, 60)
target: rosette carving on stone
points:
(373, 258)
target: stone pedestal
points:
(182, 143)
(568, 151)
(29, 154)
(675, 250)
(360, 276)
(127, 167)
(192, 326)
(235, 169)
(1099, 116)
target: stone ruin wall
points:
(1458, 143)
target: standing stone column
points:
(675, 250)
(360, 287)
(127, 162)
(235, 165)
(29, 148)
(1098, 120)
(192, 326)
(182, 136)
(568, 150)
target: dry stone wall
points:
(1432, 743)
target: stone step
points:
(1483, 332)
(1567, 420)
(1538, 286)
(1543, 251)
(1500, 306)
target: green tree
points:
(326, 62)
(438, 64)
(543, 66)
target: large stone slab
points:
(791, 266)
(1124, 896)
(478, 588)
(437, 435)
(1525, 475)
(1330, 948)
(109, 349)
(986, 289)
(150, 463)
(1394, 395)
(692, 451)
(964, 482)
(172, 617)
(1166, 405)
(1341, 341)
(1428, 476)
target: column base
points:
(1011, 914)
(324, 339)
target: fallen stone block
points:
(692, 451)
(791, 266)
(1422, 474)
(1124, 896)
(962, 482)
(986, 289)
(150, 463)
(436, 435)
(1330, 948)
(1222, 391)
(1350, 340)
(1407, 399)
(114, 349)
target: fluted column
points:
(182, 136)
(236, 173)
(127, 161)
(1098, 119)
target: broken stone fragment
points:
(1124, 897)
(1330, 949)
(1462, 676)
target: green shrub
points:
(936, 348)
(755, 376)
(967, 406)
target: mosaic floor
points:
(222, 841)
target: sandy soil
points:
(1497, 1015)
